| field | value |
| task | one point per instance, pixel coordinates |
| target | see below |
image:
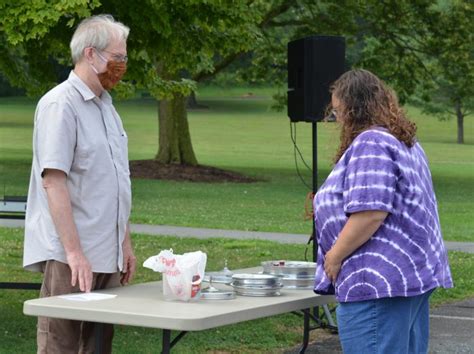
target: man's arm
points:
(358, 230)
(129, 260)
(54, 182)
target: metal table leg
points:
(23, 286)
(306, 330)
(166, 341)
(99, 338)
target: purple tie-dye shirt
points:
(406, 255)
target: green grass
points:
(244, 135)
(269, 335)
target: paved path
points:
(181, 231)
(451, 332)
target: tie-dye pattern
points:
(406, 255)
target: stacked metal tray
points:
(218, 277)
(223, 277)
(248, 284)
(293, 274)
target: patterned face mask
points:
(114, 73)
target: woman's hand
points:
(332, 265)
(358, 229)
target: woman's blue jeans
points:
(388, 325)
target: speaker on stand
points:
(314, 63)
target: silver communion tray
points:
(290, 268)
(293, 274)
(215, 294)
(250, 279)
(250, 284)
(257, 290)
(218, 277)
(298, 283)
(223, 276)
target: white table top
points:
(143, 305)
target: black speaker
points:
(314, 63)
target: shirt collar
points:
(80, 86)
(85, 91)
(105, 97)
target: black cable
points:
(296, 149)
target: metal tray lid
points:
(255, 279)
(256, 287)
(257, 292)
(254, 276)
(289, 264)
(218, 277)
(290, 268)
(215, 294)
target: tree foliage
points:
(416, 46)
(449, 88)
(171, 44)
(423, 49)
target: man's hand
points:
(129, 265)
(129, 260)
(59, 202)
(81, 271)
(332, 265)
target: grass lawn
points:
(244, 135)
(269, 335)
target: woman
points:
(380, 246)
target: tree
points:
(382, 36)
(424, 49)
(171, 43)
(449, 89)
(174, 44)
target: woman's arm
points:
(358, 230)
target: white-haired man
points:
(79, 199)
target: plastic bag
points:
(182, 274)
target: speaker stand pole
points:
(315, 181)
(326, 312)
(315, 188)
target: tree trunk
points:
(192, 102)
(174, 139)
(460, 120)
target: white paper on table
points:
(87, 296)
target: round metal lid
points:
(255, 279)
(257, 292)
(252, 276)
(215, 294)
(257, 287)
(218, 277)
(297, 269)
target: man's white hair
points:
(96, 31)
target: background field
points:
(241, 133)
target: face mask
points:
(114, 73)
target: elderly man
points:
(79, 199)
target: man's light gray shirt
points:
(82, 135)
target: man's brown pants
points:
(66, 336)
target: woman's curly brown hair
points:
(366, 102)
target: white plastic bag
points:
(182, 274)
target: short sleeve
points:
(371, 175)
(55, 138)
